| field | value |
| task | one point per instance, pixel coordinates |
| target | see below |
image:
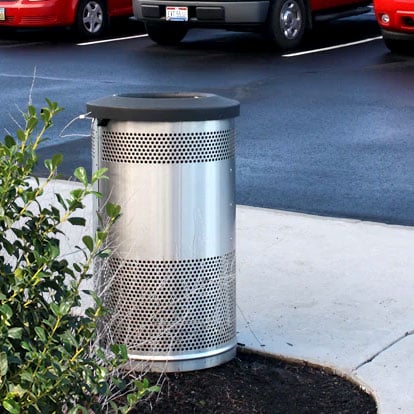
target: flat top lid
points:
(164, 107)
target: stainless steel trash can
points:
(170, 283)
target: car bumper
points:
(204, 13)
(393, 35)
(396, 20)
(33, 14)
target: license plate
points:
(176, 14)
(2, 14)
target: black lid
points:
(164, 107)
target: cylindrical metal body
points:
(170, 283)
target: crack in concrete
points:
(369, 360)
(248, 326)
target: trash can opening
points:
(173, 95)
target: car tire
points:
(399, 46)
(166, 33)
(91, 18)
(286, 23)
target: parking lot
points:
(327, 130)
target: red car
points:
(89, 17)
(396, 18)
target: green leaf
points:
(64, 308)
(40, 333)
(54, 251)
(78, 409)
(15, 333)
(31, 123)
(88, 242)
(54, 162)
(113, 210)
(17, 390)
(132, 398)
(103, 254)
(45, 115)
(77, 193)
(102, 235)
(27, 346)
(97, 175)
(18, 273)
(55, 309)
(4, 364)
(9, 141)
(114, 407)
(97, 194)
(11, 406)
(21, 135)
(68, 338)
(80, 174)
(61, 201)
(53, 106)
(100, 354)
(48, 165)
(77, 267)
(77, 221)
(31, 110)
(57, 159)
(6, 310)
(8, 246)
(26, 376)
(120, 350)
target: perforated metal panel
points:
(170, 285)
(157, 148)
(173, 306)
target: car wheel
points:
(286, 23)
(92, 18)
(165, 33)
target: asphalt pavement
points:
(327, 133)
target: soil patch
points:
(253, 383)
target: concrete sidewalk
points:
(331, 291)
(334, 292)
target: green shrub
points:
(49, 358)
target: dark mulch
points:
(253, 383)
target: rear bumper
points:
(205, 13)
(35, 14)
(393, 35)
(399, 21)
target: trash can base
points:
(145, 363)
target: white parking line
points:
(20, 44)
(324, 49)
(118, 39)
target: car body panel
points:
(120, 7)
(401, 18)
(319, 5)
(48, 13)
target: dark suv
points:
(283, 21)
